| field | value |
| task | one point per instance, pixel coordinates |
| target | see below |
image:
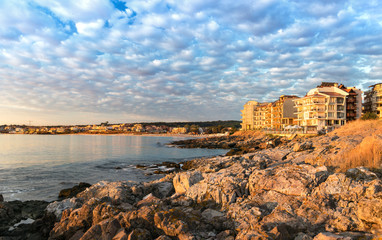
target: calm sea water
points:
(37, 167)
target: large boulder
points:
(298, 147)
(73, 191)
(222, 187)
(173, 222)
(117, 192)
(294, 180)
(58, 207)
(341, 187)
(369, 211)
(183, 181)
(106, 229)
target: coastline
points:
(127, 134)
(283, 191)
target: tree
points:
(194, 129)
(105, 123)
(369, 116)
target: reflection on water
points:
(38, 166)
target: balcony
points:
(351, 100)
(318, 102)
(351, 107)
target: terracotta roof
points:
(310, 96)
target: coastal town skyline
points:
(67, 63)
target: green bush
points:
(369, 116)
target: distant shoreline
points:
(127, 134)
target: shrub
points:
(369, 116)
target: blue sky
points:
(89, 61)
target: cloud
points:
(189, 60)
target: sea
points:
(37, 167)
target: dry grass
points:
(360, 144)
(249, 133)
(368, 153)
(359, 127)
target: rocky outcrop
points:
(73, 191)
(238, 144)
(269, 194)
(183, 181)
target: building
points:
(247, 116)
(373, 100)
(262, 115)
(179, 130)
(328, 106)
(276, 115)
(353, 103)
(282, 112)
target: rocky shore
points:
(238, 144)
(286, 189)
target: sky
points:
(90, 61)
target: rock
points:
(25, 220)
(103, 211)
(210, 215)
(159, 189)
(361, 173)
(173, 222)
(330, 236)
(121, 235)
(303, 236)
(369, 211)
(334, 138)
(1, 198)
(163, 237)
(106, 229)
(338, 186)
(71, 192)
(58, 207)
(265, 194)
(298, 147)
(138, 234)
(183, 181)
(118, 192)
(225, 235)
(148, 201)
(281, 232)
(72, 221)
(294, 180)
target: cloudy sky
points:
(77, 62)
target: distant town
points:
(324, 108)
(191, 128)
